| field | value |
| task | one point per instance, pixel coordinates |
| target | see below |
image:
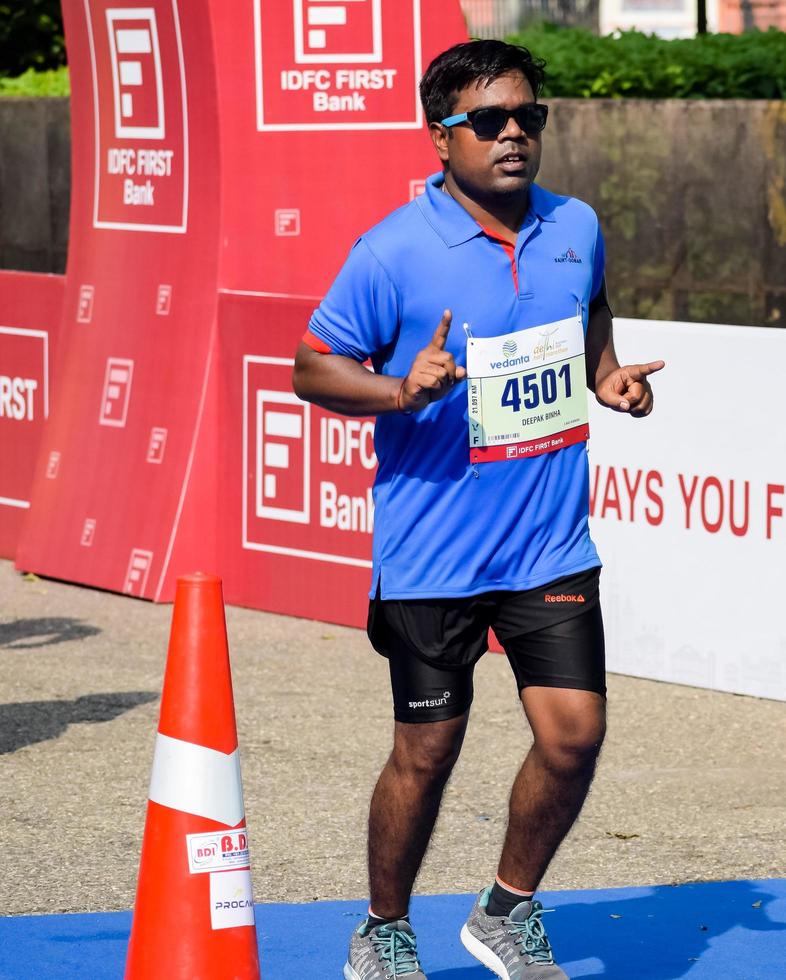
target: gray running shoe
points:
(386, 951)
(514, 946)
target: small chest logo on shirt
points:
(550, 597)
(569, 256)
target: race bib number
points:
(527, 392)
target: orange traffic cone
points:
(194, 912)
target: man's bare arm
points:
(342, 385)
(626, 388)
(599, 347)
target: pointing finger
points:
(639, 371)
(441, 333)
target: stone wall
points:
(35, 183)
(691, 195)
(692, 200)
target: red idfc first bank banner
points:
(335, 125)
(226, 155)
(137, 330)
(321, 116)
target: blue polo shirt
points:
(443, 527)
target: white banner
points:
(689, 510)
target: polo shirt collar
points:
(454, 225)
(541, 202)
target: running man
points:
(482, 307)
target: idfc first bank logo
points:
(24, 405)
(337, 64)
(307, 474)
(141, 178)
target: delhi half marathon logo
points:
(549, 346)
(509, 348)
(569, 256)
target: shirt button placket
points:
(525, 289)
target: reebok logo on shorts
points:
(561, 597)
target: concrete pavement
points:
(691, 784)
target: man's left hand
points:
(626, 389)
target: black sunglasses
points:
(489, 121)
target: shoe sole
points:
(349, 973)
(482, 953)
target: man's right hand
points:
(433, 372)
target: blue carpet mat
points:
(710, 931)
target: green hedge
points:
(37, 83)
(634, 65)
(581, 65)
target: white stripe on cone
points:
(197, 780)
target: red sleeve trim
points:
(312, 341)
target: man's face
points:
(494, 168)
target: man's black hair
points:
(474, 61)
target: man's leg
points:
(560, 671)
(431, 648)
(404, 808)
(505, 930)
(552, 784)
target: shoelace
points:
(397, 948)
(532, 936)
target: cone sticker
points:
(194, 911)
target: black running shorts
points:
(552, 635)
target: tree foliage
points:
(31, 36)
(634, 65)
(578, 64)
